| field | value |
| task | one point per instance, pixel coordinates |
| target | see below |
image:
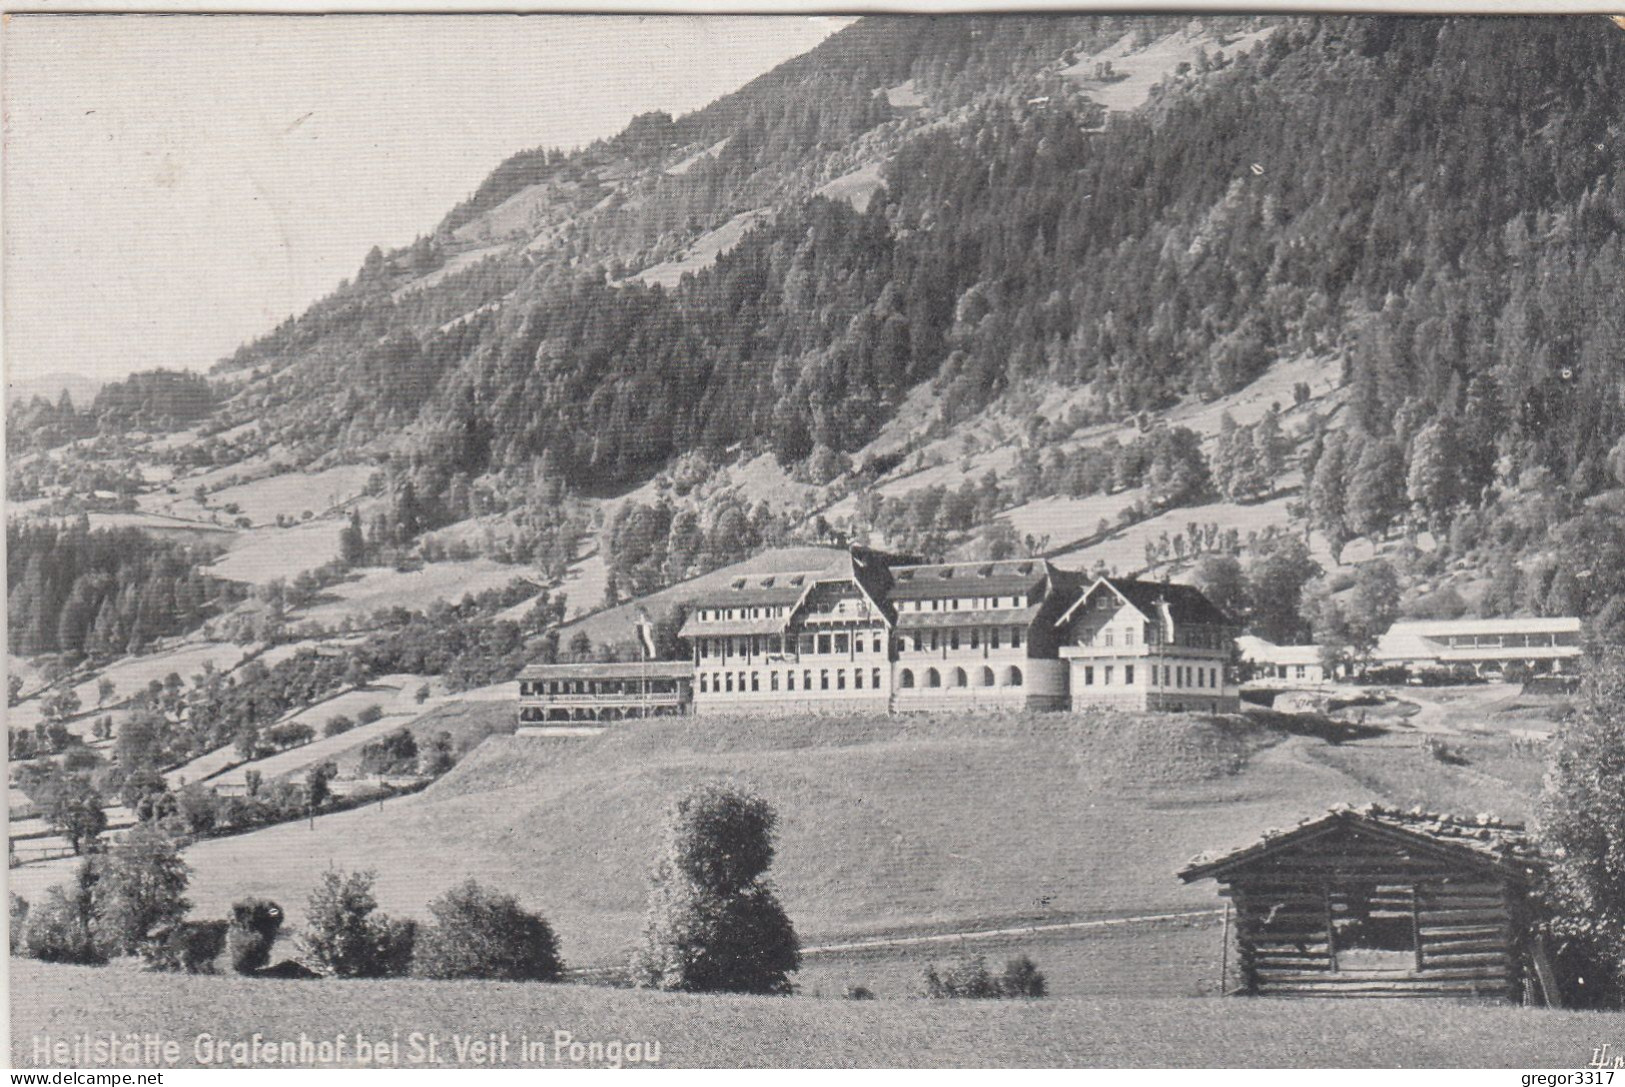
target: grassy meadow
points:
(891, 829)
(888, 826)
(722, 1031)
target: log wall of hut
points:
(1359, 914)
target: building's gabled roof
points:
(871, 573)
(1186, 603)
(610, 670)
(1483, 840)
(941, 581)
(977, 617)
(1254, 648)
(757, 589)
(695, 627)
(1444, 628)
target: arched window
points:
(905, 678)
(932, 679)
(1012, 678)
(958, 678)
(876, 678)
(987, 677)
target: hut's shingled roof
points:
(1505, 845)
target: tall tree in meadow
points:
(714, 924)
(352, 544)
(1275, 581)
(1374, 604)
(1270, 447)
(1222, 581)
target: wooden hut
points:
(1377, 902)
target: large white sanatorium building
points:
(877, 633)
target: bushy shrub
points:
(1443, 752)
(397, 946)
(1021, 978)
(198, 807)
(203, 947)
(437, 757)
(370, 714)
(59, 926)
(480, 933)
(713, 924)
(346, 936)
(395, 753)
(337, 725)
(255, 923)
(858, 992)
(970, 979)
(290, 734)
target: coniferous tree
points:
(1433, 483)
(1376, 488)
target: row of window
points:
(843, 644)
(1108, 636)
(975, 603)
(746, 682)
(995, 637)
(717, 615)
(958, 677)
(538, 688)
(1508, 641)
(839, 643)
(1177, 676)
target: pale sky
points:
(176, 185)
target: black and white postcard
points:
(1010, 539)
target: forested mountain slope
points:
(1433, 204)
(1437, 198)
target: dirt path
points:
(1440, 709)
(992, 933)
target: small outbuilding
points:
(1377, 902)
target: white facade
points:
(1144, 655)
(1281, 665)
(1486, 645)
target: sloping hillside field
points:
(887, 826)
